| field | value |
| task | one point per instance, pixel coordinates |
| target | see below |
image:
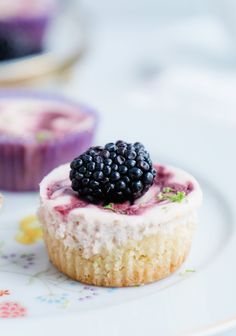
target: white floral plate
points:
(199, 299)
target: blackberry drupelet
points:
(12, 48)
(117, 172)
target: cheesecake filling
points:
(41, 120)
(172, 200)
(162, 192)
(25, 8)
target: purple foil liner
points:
(23, 164)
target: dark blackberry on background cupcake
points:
(23, 25)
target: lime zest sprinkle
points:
(109, 206)
(178, 197)
(187, 271)
(167, 189)
(41, 136)
(168, 194)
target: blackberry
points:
(117, 172)
(11, 48)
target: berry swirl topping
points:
(40, 119)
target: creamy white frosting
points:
(92, 228)
(24, 118)
(25, 8)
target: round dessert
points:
(142, 239)
(22, 26)
(38, 132)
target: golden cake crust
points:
(135, 263)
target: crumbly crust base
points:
(135, 263)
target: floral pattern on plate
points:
(11, 309)
(35, 287)
(30, 265)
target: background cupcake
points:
(37, 133)
(23, 24)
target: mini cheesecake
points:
(120, 244)
(38, 132)
(23, 24)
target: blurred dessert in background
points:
(23, 24)
(37, 133)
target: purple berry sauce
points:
(164, 179)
